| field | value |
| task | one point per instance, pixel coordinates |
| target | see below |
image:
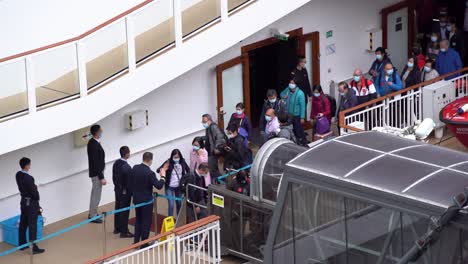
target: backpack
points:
(332, 104)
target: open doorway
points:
(263, 65)
(270, 68)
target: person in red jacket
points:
(320, 106)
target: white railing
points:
(70, 69)
(197, 242)
(399, 111)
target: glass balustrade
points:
(56, 74)
(13, 89)
(154, 28)
(106, 53)
(234, 4)
(196, 14)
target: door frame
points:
(245, 61)
(411, 5)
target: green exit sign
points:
(330, 34)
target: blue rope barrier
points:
(222, 177)
(60, 232)
(169, 197)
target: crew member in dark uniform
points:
(143, 181)
(121, 176)
(301, 77)
(30, 208)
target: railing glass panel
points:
(154, 28)
(233, 4)
(13, 91)
(197, 14)
(106, 53)
(55, 74)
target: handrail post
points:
(104, 249)
(223, 4)
(31, 89)
(131, 52)
(177, 22)
(155, 209)
(81, 65)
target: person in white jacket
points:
(429, 73)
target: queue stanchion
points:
(104, 248)
(155, 212)
(31, 258)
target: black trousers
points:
(214, 168)
(299, 130)
(121, 219)
(143, 222)
(29, 214)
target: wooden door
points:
(232, 82)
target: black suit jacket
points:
(457, 42)
(96, 159)
(121, 176)
(26, 186)
(143, 180)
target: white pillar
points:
(177, 22)
(131, 52)
(224, 10)
(81, 63)
(31, 88)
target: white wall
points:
(175, 109)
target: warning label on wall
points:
(218, 200)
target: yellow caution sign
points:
(168, 224)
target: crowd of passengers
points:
(222, 151)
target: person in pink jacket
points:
(199, 155)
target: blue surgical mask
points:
(196, 148)
(268, 118)
(449, 27)
(292, 86)
(390, 72)
(357, 78)
(205, 125)
(316, 94)
(239, 112)
(434, 38)
(272, 101)
(379, 56)
(176, 160)
(427, 69)
(410, 64)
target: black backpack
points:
(332, 104)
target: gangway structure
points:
(361, 198)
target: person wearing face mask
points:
(295, 103)
(428, 72)
(448, 60)
(388, 81)
(240, 118)
(379, 63)
(302, 77)
(433, 47)
(96, 165)
(176, 169)
(272, 126)
(363, 88)
(214, 139)
(321, 107)
(199, 155)
(237, 154)
(411, 75)
(195, 195)
(440, 27)
(455, 37)
(273, 102)
(347, 100)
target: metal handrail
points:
(342, 114)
